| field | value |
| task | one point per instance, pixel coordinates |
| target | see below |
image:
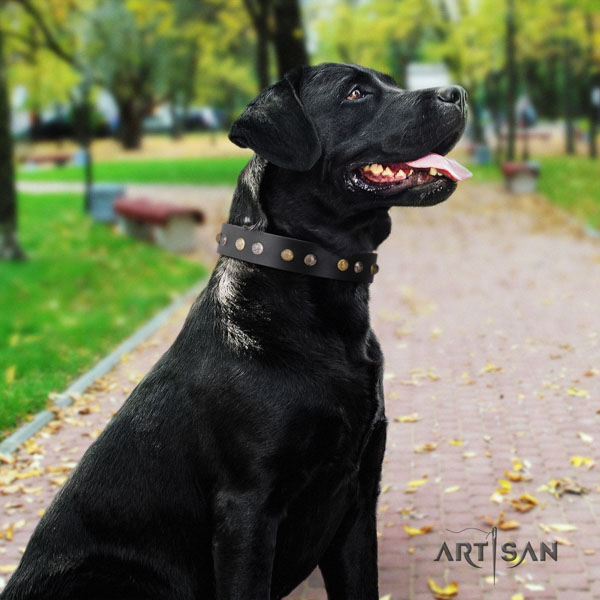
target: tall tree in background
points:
(511, 76)
(277, 22)
(9, 243)
(288, 37)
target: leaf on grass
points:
(442, 593)
(427, 447)
(10, 374)
(412, 418)
(582, 461)
(420, 531)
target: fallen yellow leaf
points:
(412, 418)
(455, 442)
(579, 393)
(452, 489)
(442, 593)
(427, 447)
(585, 437)
(582, 461)
(491, 368)
(420, 531)
(517, 596)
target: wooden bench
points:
(59, 159)
(171, 226)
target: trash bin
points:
(102, 199)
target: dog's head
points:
(371, 141)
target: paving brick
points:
(492, 276)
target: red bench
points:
(59, 159)
(172, 226)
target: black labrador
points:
(251, 453)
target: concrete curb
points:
(81, 384)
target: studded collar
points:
(297, 256)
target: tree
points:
(10, 248)
(288, 37)
(278, 22)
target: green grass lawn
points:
(83, 290)
(570, 182)
(209, 171)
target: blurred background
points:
(113, 123)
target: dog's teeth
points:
(411, 172)
(367, 168)
(376, 169)
(400, 174)
(433, 171)
(388, 172)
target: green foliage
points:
(83, 291)
(205, 171)
(572, 183)
(567, 181)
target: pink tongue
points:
(450, 167)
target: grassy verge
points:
(209, 171)
(567, 181)
(84, 289)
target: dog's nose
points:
(453, 94)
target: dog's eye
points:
(355, 94)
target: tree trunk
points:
(82, 118)
(511, 74)
(262, 52)
(594, 84)
(259, 11)
(288, 36)
(9, 244)
(131, 117)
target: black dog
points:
(252, 451)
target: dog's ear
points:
(276, 126)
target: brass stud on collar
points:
(343, 264)
(240, 243)
(257, 248)
(287, 255)
(374, 269)
(310, 260)
(358, 267)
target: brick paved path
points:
(487, 308)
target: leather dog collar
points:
(298, 256)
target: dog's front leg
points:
(349, 566)
(243, 547)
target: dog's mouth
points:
(392, 178)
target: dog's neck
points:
(302, 206)
(253, 300)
